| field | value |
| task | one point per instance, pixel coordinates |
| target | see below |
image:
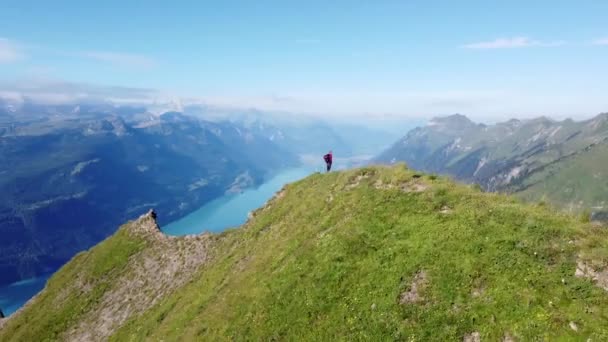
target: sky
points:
(488, 59)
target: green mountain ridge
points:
(378, 253)
(561, 162)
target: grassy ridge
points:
(562, 162)
(333, 256)
(73, 291)
(577, 183)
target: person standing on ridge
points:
(328, 160)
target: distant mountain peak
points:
(112, 124)
(601, 116)
(510, 124)
(534, 157)
(173, 116)
(454, 118)
(543, 120)
(451, 122)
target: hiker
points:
(153, 214)
(328, 160)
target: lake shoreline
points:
(15, 295)
(232, 210)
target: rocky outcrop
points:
(413, 293)
(166, 264)
(600, 278)
(158, 266)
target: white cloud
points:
(479, 104)
(602, 41)
(403, 103)
(62, 92)
(512, 43)
(121, 59)
(9, 51)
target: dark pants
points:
(328, 166)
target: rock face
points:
(2, 319)
(599, 277)
(562, 162)
(413, 294)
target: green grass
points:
(312, 266)
(329, 261)
(73, 290)
(576, 184)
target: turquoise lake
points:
(13, 296)
(231, 210)
(216, 216)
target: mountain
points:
(563, 162)
(67, 181)
(368, 254)
(297, 133)
(305, 134)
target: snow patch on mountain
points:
(482, 163)
(82, 165)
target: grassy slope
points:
(579, 182)
(58, 307)
(329, 262)
(534, 144)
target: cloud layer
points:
(9, 51)
(62, 92)
(121, 59)
(486, 104)
(512, 43)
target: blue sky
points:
(487, 59)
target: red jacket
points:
(328, 158)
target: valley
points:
(67, 183)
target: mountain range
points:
(305, 134)
(564, 162)
(71, 175)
